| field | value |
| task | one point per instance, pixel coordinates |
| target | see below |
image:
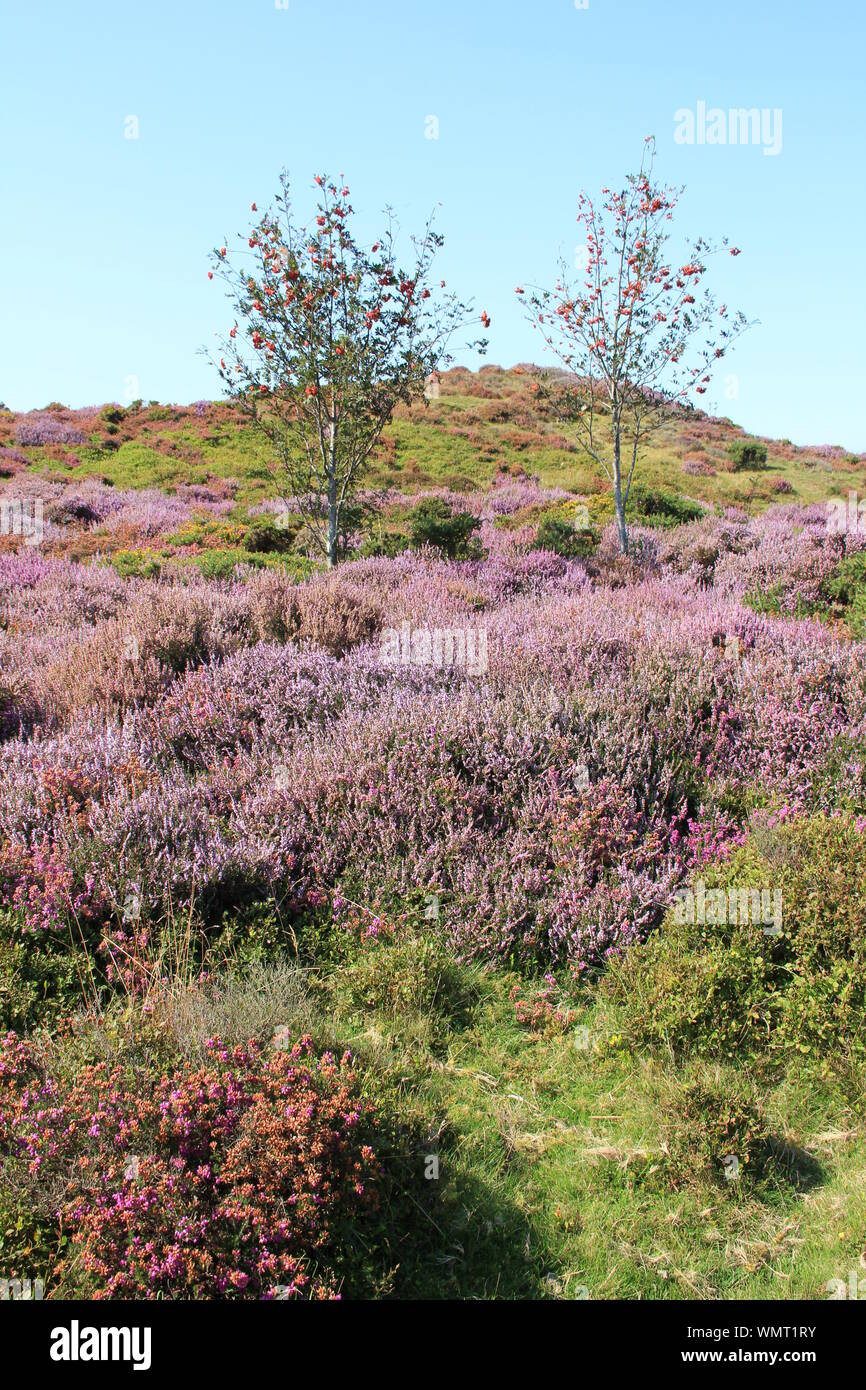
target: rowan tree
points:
(328, 336)
(639, 334)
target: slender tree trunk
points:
(332, 522)
(332, 496)
(618, 504)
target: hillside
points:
(482, 431)
(479, 920)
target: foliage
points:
(714, 1120)
(748, 453)
(236, 1178)
(332, 338)
(556, 534)
(661, 507)
(730, 989)
(450, 532)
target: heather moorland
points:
(480, 916)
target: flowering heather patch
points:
(43, 428)
(253, 743)
(791, 551)
(11, 460)
(698, 468)
(232, 821)
(218, 491)
(79, 507)
(236, 1179)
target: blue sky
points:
(104, 240)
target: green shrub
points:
(136, 564)
(845, 589)
(384, 543)
(764, 600)
(655, 506)
(433, 523)
(255, 932)
(267, 537)
(41, 977)
(716, 1129)
(30, 1242)
(729, 990)
(557, 534)
(220, 564)
(405, 975)
(748, 453)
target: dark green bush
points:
(268, 537)
(41, 977)
(433, 523)
(560, 536)
(712, 1120)
(655, 506)
(384, 543)
(845, 589)
(748, 453)
(732, 991)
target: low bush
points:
(136, 564)
(268, 537)
(729, 989)
(405, 975)
(716, 1130)
(655, 506)
(433, 523)
(557, 534)
(237, 1178)
(383, 543)
(845, 590)
(748, 453)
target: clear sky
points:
(104, 239)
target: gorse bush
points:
(556, 534)
(728, 989)
(433, 523)
(238, 1178)
(660, 507)
(748, 453)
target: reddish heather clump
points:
(235, 1179)
(539, 1012)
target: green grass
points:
(560, 1149)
